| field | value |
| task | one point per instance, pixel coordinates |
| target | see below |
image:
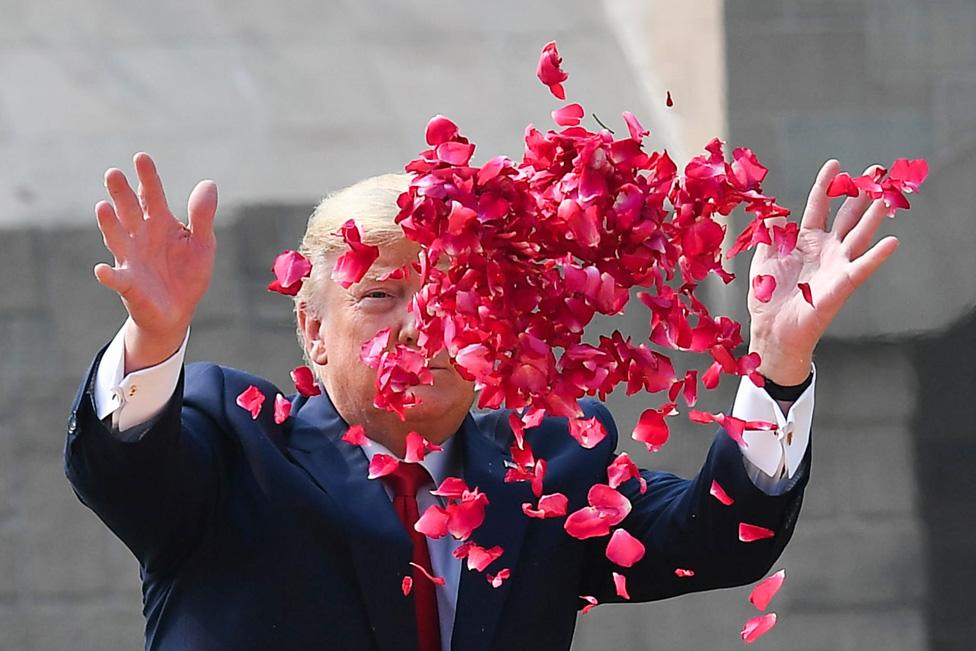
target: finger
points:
(113, 233)
(114, 278)
(818, 203)
(151, 193)
(126, 202)
(201, 208)
(867, 264)
(852, 210)
(857, 241)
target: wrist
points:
(145, 348)
(784, 366)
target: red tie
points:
(404, 481)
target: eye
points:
(377, 294)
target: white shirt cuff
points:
(139, 396)
(777, 453)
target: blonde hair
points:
(372, 203)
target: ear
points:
(310, 325)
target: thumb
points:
(201, 208)
(115, 279)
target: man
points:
(257, 535)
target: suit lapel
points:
(479, 605)
(380, 548)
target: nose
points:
(408, 334)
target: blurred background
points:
(283, 102)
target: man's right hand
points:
(162, 267)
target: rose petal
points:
(251, 399)
(550, 506)
(588, 432)
(549, 72)
(568, 116)
(355, 435)
(757, 627)
(352, 265)
(440, 130)
(436, 580)
(623, 549)
(651, 430)
(305, 381)
(636, 129)
(620, 586)
(290, 269)
(682, 573)
(381, 465)
(434, 521)
(282, 409)
(496, 580)
(406, 585)
(719, 493)
(763, 287)
(592, 603)
(751, 533)
(766, 589)
(842, 185)
(669, 102)
(807, 295)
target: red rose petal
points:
(305, 381)
(282, 409)
(381, 465)
(440, 130)
(355, 435)
(757, 627)
(620, 586)
(636, 129)
(549, 72)
(588, 432)
(550, 506)
(766, 589)
(591, 603)
(682, 573)
(434, 522)
(763, 287)
(353, 264)
(251, 400)
(406, 585)
(807, 295)
(496, 580)
(623, 549)
(669, 102)
(651, 430)
(290, 269)
(719, 493)
(751, 533)
(842, 185)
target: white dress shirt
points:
(771, 458)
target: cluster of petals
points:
(463, 513)
(623, 469)
(891, 186)
(607, 508)
(397, 371)
(477, 556)
(251, 399)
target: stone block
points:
(22, 269)
(864, 562)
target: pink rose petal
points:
(496, 580)
(763, 287)
(568, 116)
(588, 432)
(290, 269)
(842, 185)
(282, 409)
(766, 589)
(636, 129)
(436, 580)
(757, 627)
(682, 573)
(751, 533)
(549, 72)
(651, 430)
(440, 130)
(620, 586)
(355, 435)
(550, 506)
(381, 465)
(591, 603)
(434, 522)
(406, 585)
(719, 493)
(352, 265)
(623, 549)
(251, 400)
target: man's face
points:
(350, 317)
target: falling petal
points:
(436, 580)
(682, 573)
(381, 465)
(763, 287)
(757, 627)
(591, 603)
(290, 269)
(766, 589)
(496, 580)
(807, 295)
(355, 435)
(549, 71)
(282, 409)
(751, 533)
(406, 585)
(623, 549)
(669, 102)
(305, 381)
(842, 185)
(719, 493)
(251, 400)
(620, 586)
(568, 116)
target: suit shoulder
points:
(206, 380)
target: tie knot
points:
(407, 479)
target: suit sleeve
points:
(682, 526)
(156, 492)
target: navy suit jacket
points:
(252, 535)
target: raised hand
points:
(785, 330)
(162, 266)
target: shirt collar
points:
(440, 465)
